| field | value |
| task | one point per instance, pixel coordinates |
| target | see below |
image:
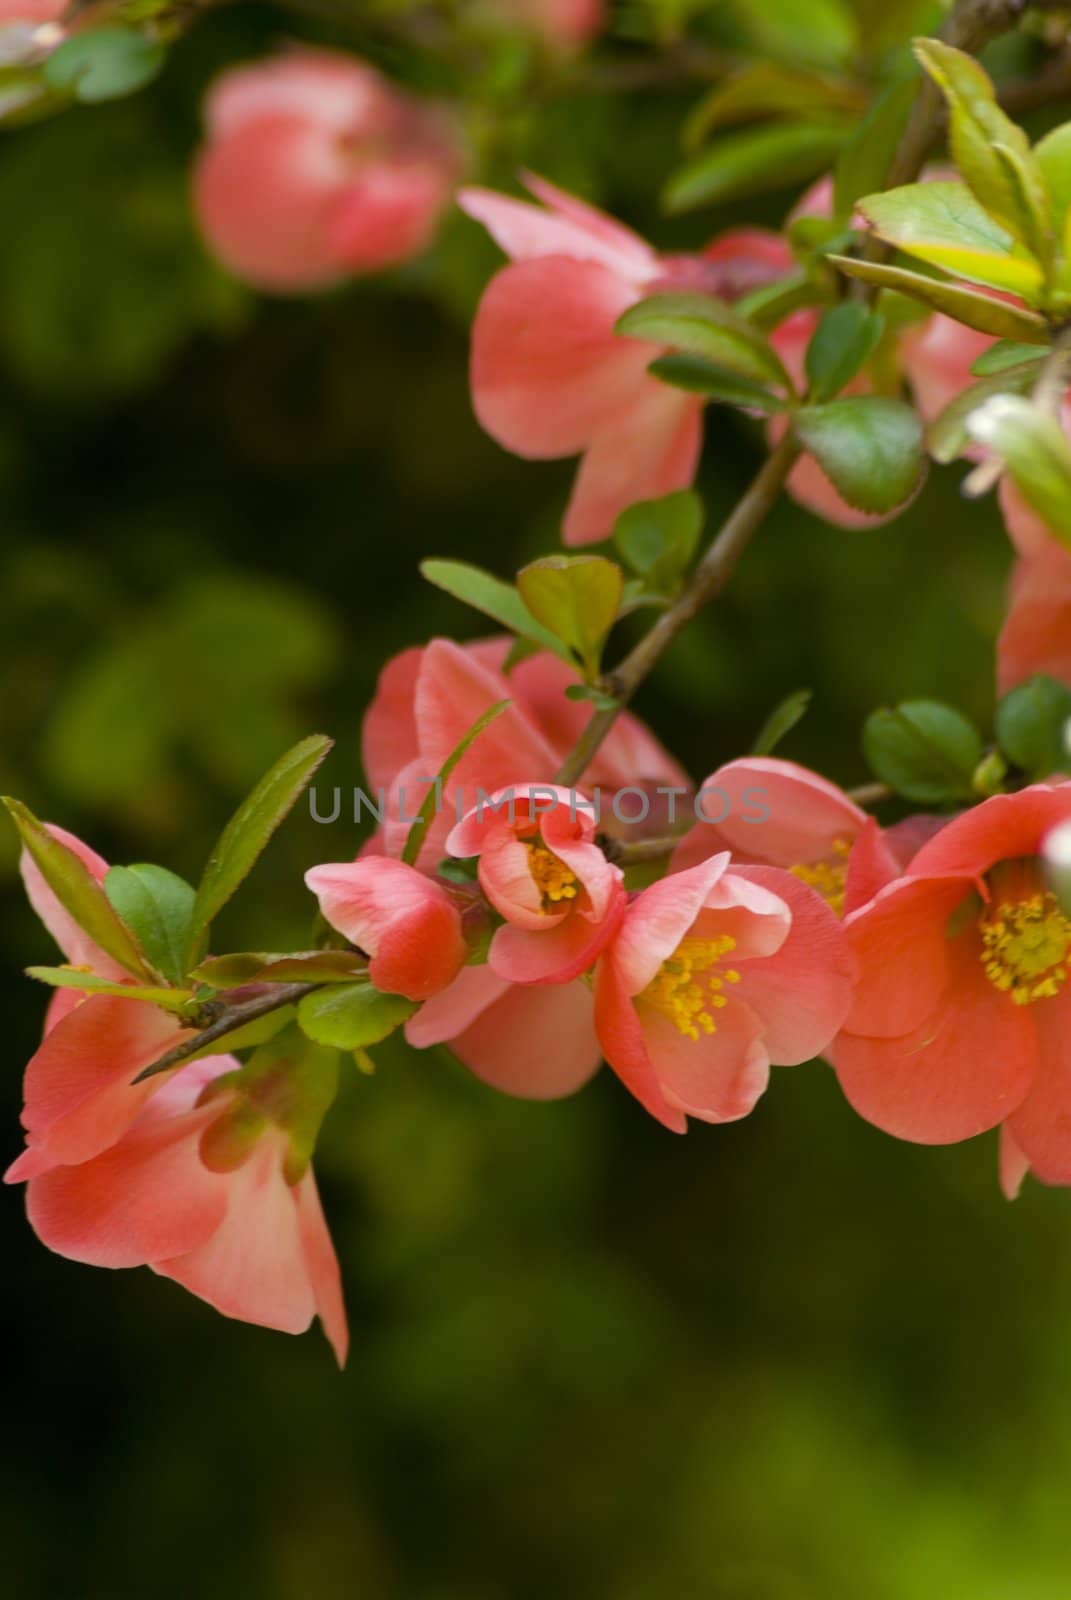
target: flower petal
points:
(539, 1044)
(625, 1048)
(901, 944)
(649, 449)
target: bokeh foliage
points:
(787, 1360)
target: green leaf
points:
(588, 692)
(920, 216)
(78, 892)
(870, 448)
(415, 837)
(697, 376)
(782, 719)
(104, 63)
(947, 435)
(1035, 452)
(865, 160)
(352, 1016)
(72, 978)
(1004, 356)
(820, 31)
(658, 539)
(976, 311)
(923, 750)
(305, 966)
(157, 906)
(1053, 156)
(701, 325)
(577, 598)
(767, 89)
(771, 303)
(770, 157)
(486, 593)
(25, 96)
(1008, 186)
(1031, 727)
(844, 341)
(249, 830)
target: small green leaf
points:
(577, 598)
(697, 376)
(157, 906)
(1035, 452)
(658, 539)
(79, 893)
(1053, 156)
(486, 593)
(943, 224)
(1032, 724)
(249, 830)
(1011, 190)
(866, 158)
(352, 1016)
(977, 311)
(701, 325)
(306, 966)
(782, 719)
(844, 341)
(768, 306)
(923, 750)
(869, 447)
(104, 63)
(588, 692)
(766, 89)
(72, 978)
(775, 156)
(1005, 355)
(417, 833)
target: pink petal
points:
(872, 865)
(1013, 1165)
(405, 922)
(389, 734)
(717, 1077)
(658, 919)
(548, 371)
(650, 449)
(622, 1040)
(253, 1267)
(776, 812)
(148, 1196)
(527, 232)
(1003, 828)
(937, 358)
(1036, 636)
(560, 953)
(1041, 1127)
(900, 941)
(800, 994)
(332, 92)
(390, 211)
(446, 1015)
(322, 1265)
(78, 1090)
(961, 1070)
(538, 1044)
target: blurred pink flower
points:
(315, 167)
(1036, 636)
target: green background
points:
(784, 1360)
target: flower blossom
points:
(406, 922)
(315, 167)
(961, 1016)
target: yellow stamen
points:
(554, 880)
(1025, 947)
(828, 877)
(686, 988)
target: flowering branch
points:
(226, 1021)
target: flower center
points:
(1024, 947)
(686, 987)
(554, 880)
(828, 877)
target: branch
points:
(972, 24)
(232, 1017)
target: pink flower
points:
(406, 923)
(1036, 636)
(714, 974)
(316, 167)
(550, 377)
(203, 1187)
(31, 11)
(770, 812)
(428, 699)
(542, 871)
(961, 1016)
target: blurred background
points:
(784, 1360)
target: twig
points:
(232, 1017)
(868, 794)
